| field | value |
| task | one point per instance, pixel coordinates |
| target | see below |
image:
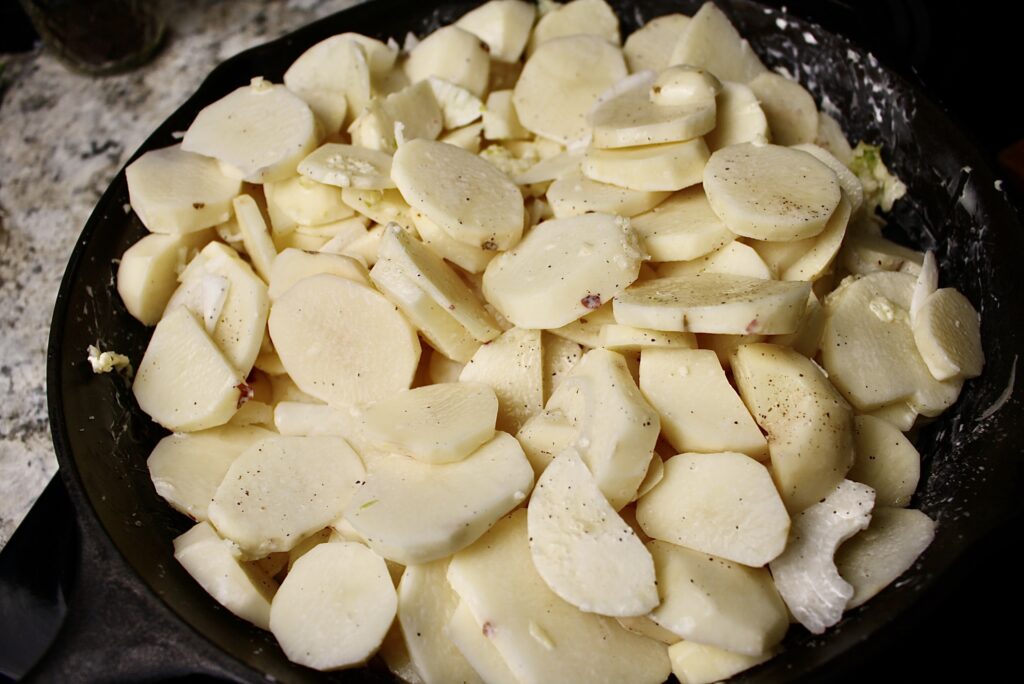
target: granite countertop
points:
(64, 137)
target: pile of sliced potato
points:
(523, 355)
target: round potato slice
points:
(343, 342)
(738, 118)
(947, 332)
(791, 111)
(348, 166)
(469, 198)
(453, 54)
(334, 607)
(563, 269)
(560, 83)
(767, 192)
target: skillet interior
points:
(969, 469)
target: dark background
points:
(967, 56)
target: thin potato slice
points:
(434, 424)
(651, 45)
(503, 25)
(255, 235)
(213, 562)
(669, 166)
(184, 381)
(723, 504)
(573, 194)
(512, 366)
(255, 503)
(694, 663)
(713, 601)
(735, 258)
(561, 81)
(468, 636)
(334, 76)
(853, 189)
(791, 111)
(710, 40)
(468, 257)
(174, 191)
(624, 338)
(303, 201)
(148, 273)
(714, 303)
(414, 512)
(541, 637)
(562, 269)
(469, 198)
(947, 333)
(769, 192)
(592, 17)
(885, 460)
(738, 118)
(681, 228)
(187, 468)
(699, 409)
(343, 342)
(453, 54)
(334, 607)
(348, 166)
(292, 265)
(582, 548)
(261, 130)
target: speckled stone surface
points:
(63, 137)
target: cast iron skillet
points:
(970, 469)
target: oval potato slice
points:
(451, 53)
(334, 607)
(343, 342)
(504, 25)
(738, 118)
(681, 228)
(885, 460)
(947, 332)
(768, 192)
(148, 273)
(791, 111)
(669, 166)
(651, 45)
(573, 194)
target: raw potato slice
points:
(431, 274)
(186, 469)
(714, 303)
(412, 112)
(900, 414)
(552, 168)
(453, 54)
(459, 107)
(807, 338)
(616, 427)
(414, 512)
(395, 655)
(651, 45)
(562, 269)
(503, 25)
(869, 351)
(769, 192)
(541, 637)
(791, 111)
(852, 187)
(683, 84)
(820, 250)
(343, 342)
(434, 424)
(694, 663)
(546, 435)
(574, 194)
(184, 381)
(213, 563)
(261, 130)
(333, 76)
(380, 206)
(626, 116)
(809, 425)
(947, 333)
(644, 626)
(593, 17)
(255, 235)
(348, 166)
(148, 273)
(723, 504)
(468, 197)
(711, 41)
(874, 558)
(885, 460)
(805, 573)
(299, 419)
(831, 137)
(512, 366)
(426, 605)
(467, 137)
(734, 258)
(500, 119)
(468, 257)
(927, 283)
(292, 265)
(561, 81)
(334, 607)
(699, 409)
(586, 331)
(436, 324)
(671, 166)
(682, 227)
(173, 191)
(627, 338)
(738, 118)
(582, 548)
(302, 201)
(467, 635)
(715, 602)
(655, 474)
(863, 254)
(255, 504)
(443, 369)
